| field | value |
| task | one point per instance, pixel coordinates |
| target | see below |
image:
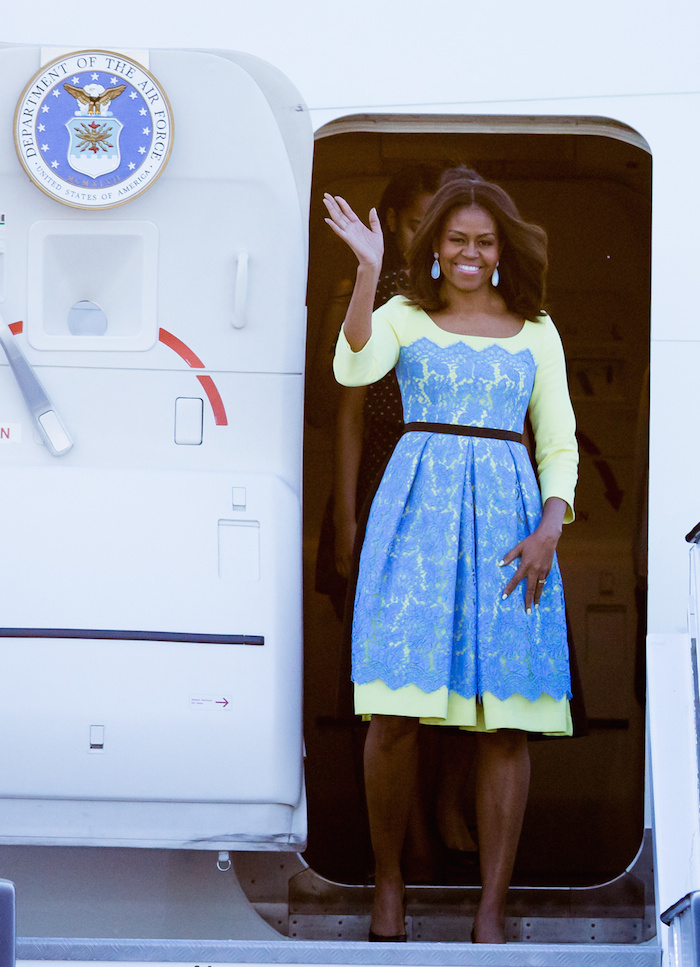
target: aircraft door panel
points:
(150, 626)
(147, 697)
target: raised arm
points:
(368, 246)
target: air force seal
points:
(93, 129)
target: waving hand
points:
(366, 243)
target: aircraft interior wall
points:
(592, 193)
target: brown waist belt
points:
(460, 430)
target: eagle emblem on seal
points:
(93, 97)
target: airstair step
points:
(203, 952)
(435, 928)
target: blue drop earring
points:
(495, 277)
(435, 269)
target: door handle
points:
(41, 409)
(240, 296)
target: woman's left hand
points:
(366, 242)
(536, 553)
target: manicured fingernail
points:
(501, 563)
(503, 597)
(537, 606)
(529, 611)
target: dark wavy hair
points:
(400, 193)
(523, 260)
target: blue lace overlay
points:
(428, 608)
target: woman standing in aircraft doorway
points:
(459, 610)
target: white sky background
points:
(386, 52)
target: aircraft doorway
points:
(588, 182)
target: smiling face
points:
(469, 249)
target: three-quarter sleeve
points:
(553, 421)
(377, 357)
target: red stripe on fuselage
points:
(217, 404)
(178, 346)
(191, 358)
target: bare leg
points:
(421, 845)
(391, 754)
(502, 783)
(456, 760)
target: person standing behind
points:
(368, 425)
(370, 418)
